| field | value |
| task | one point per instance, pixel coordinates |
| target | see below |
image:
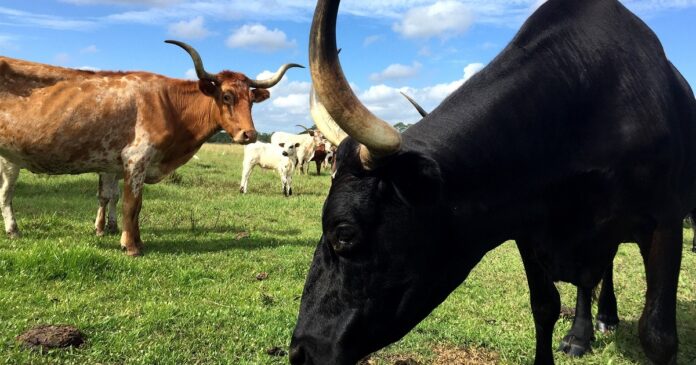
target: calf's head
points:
(382, 262)
(289, 149)
(233, 94)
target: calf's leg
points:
(545, 302)
(9, 173)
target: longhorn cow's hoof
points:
(13, 234)
(112, 229)
(133, 252)
(574, 346)
(99, 232)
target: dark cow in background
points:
(579, 135)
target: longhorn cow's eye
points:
(227, 98)
(344, 238)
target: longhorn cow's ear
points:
(415, 177)
(297, 145)
(259, 95)
(207, 87)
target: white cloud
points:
(193, 29)
(61, 58)
(258, 37)
(191, 74)
(23, 18)
(442, 19)
(90, 49)
(396, 72)
(89, 68)
(7, 41)
(124, 2)
(372, 39)
(289, 103)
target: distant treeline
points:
(223, 137)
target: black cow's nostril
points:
(297, 356)
(285, 153)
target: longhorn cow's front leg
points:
(135, 161)
(108, 198)
(8, 179)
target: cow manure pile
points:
(46, 337)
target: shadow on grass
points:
(628, 343)
(196, 244)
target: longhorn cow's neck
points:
(196, 114)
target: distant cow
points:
(138, 125)
(578, 136)
(308, 144)
(323, 155)
(280, 157)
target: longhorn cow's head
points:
(234, 95)
(373, 275)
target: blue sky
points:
(424, 47)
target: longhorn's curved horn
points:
(420, 110)
(197, 62)
(267, 83)
(379, 139)
(303, 127)
(325, 124)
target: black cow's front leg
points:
(578, 340)
(693, 228)
(657, 326)
(607, 313)
(545, 301)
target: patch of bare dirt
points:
(50, 337)
(567, 312)
(465, 356)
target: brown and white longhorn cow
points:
(138, 125)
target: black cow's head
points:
(379, 267)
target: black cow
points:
(577, 137)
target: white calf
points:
(279, 157)
(305, 152)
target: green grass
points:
(194, 299)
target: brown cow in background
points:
(138, 125)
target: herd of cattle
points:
(578, 136)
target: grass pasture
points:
(194, 297)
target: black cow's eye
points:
(345, 237)
(227, 98)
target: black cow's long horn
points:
(267, 83)
(378, 138)
(420, 109)
(197, 62)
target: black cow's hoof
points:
(693, 249)
(574, 346)
(606, 325)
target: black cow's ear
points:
(416, 178)
(259, 95)
(207, 87)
